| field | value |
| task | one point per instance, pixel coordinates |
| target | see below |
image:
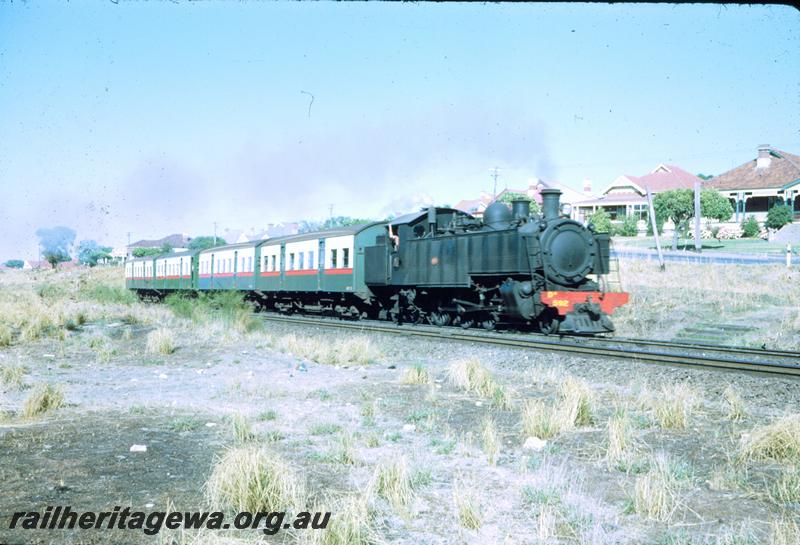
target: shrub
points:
(727, 232)
(750, 227)
(628, 227)
(601, 221)
(778, 216)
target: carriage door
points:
(320, 263)
(211, 282)
(180, 274)
(283, 266)
(235, 267)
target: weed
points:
(444, 447)
(325, 428)
(786, 488)
(184, 423)
(241, 429)
(470, 375)
(268, 415)
(350, 524)
(672, 408)
(784, 532)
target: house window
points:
(333, 259)
(291, 261)
(310, 260)
(346, 258)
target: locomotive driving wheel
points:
(439, 319)
(548, 322)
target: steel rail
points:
(685, 355)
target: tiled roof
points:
(614, 198)
(783, 168)
(664, 180)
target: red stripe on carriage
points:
(301, 273)
(270, 273)
(339, 271)
(564, 301)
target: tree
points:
(205, 242)
(714, 205)
(778, 216)
(307, 226)
(676, 205)
(509, 196)
(15, 263)
(705, 176)
(601, 221)
(89, 252)
(166, 248)
(56, 243)
(750, 227)
(144, 252)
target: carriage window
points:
(346, 258)
(291, 262)
(273, 263)
(333, 259)
(302, 264)
(250, 264)
(310, 260)
(230, 265)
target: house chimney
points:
(587, 187)
(764, 158)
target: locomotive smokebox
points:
(520, 208)
(550, 203)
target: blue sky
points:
(157, 118)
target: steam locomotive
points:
(440, 266)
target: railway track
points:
(773, 362)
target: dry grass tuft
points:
(12, 375)
(468, 504)
(417, 374)
(357, 350)
(241, 428)
(784, 532)
(6, 335)
(576, 402)
(470, 375)
(43, 398)
(656, 492)
(673, 406)
(161, 341)
(391, 481)
(734, 403)
(573, 407)
(620, 440)
(779, 441)
(787, 487)
(350, 524)
(491, 440)
(251, 478)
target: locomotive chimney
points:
(432, 220)
(550, 203)
(520, 208)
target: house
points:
(773, 177)
(476, 207)
(627, 195)
(178, 242)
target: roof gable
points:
(782, 171)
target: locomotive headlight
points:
(566, 209)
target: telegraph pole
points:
(215, 233)
(330, 211)
(494, 175)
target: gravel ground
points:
(180, 407)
